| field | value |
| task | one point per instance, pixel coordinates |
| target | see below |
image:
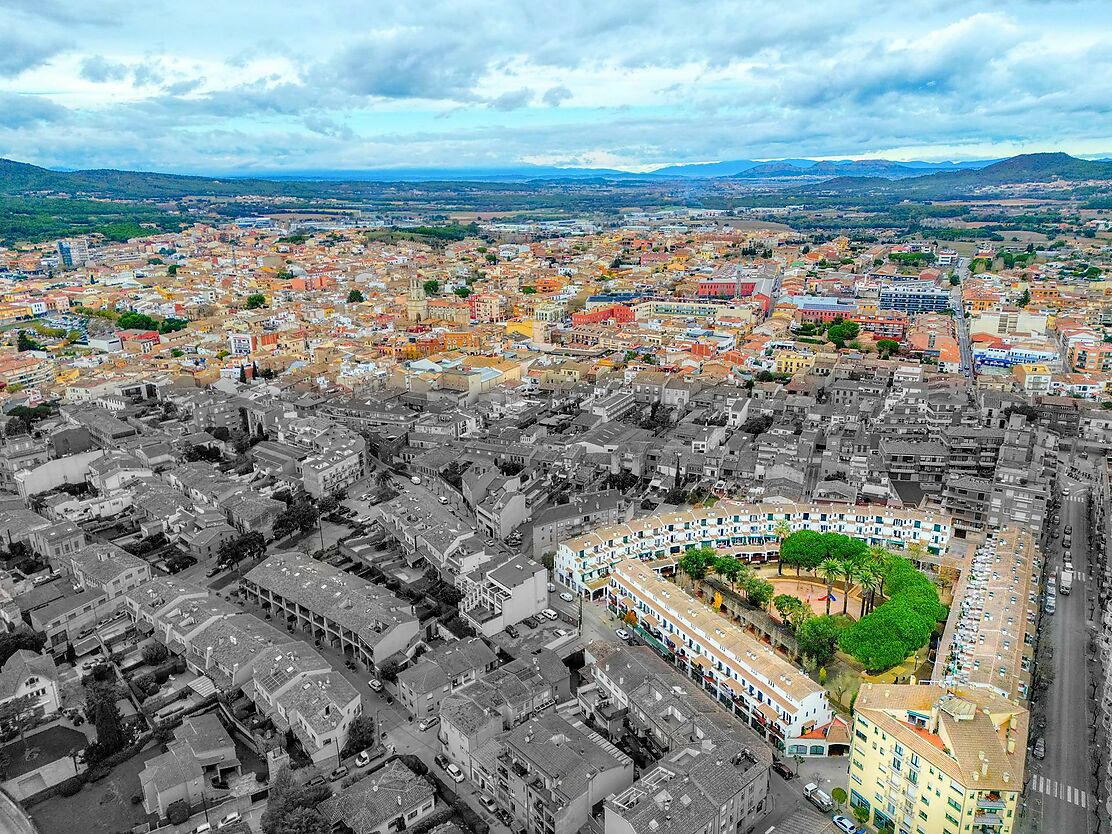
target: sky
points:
(239, 86)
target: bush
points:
(71, 786)
(96, 773)
(438, 816)
(136, 799)
(470, 817)
(154, 653)
(177, 812)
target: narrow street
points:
(959, 320)
(1058, 797)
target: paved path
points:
(13, 820)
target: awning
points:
(203, 686)
(768, 712)
(86, 645)
(697, 660)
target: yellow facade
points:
(934, 761)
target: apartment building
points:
(301, 693)
(504, 698)
(990, 633)
(549, 773)
(914, 297)
(496, 596)
(423, 686)
(553, 524)
(763, 689)
(359, 618)
(711, 773)
(108, 568)
(929, 760)
(747, 531)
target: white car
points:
(566, 597)
(622, 634)
(549, 614)
(454, 772)
(363, 759)
(443, 499)
(426, 723)
(203, 828)
(844, 824)
(228, 820)
(551, 587)
(375, 684)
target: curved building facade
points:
(747, 531)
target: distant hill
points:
(749, 169)
(1017, 170)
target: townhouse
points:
(423, 686)
(359, 618)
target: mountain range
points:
(882, 177)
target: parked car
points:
(203, 828)
(428, 723)
(512, 631)
(1039, 750)
(551, 588)
(441, 761)
(531, 622)
(562, 632)
(443, 499)
(316, 780)
(783, 770)
(454, 772)
(228, 819)
(375, 684)
(211, 572)
(338, 773)
(487, 803)
(549, 614)
(622, 634)
(363, 759)
(844, 824)
(566, 597)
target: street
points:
(960, 322)
(1058, 797)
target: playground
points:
(813, 592)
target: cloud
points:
(98, 69)
(555, 96)
(18, 54)
(513, 100)
(18, 111)
(454, 82)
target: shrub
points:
(177, 812)
(95, 774)
(136, 799)
(154, 653)
(71, 786)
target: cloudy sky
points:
(240, 85)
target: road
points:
(959, 319)
(1058, 786)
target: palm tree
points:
(781, 529)
(869, 580)
(829, 570)
(880, 558)
(852, 568)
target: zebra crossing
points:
(1056, 790)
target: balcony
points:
(988, 821)
(989, 803)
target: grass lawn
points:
(102, 807)
(42, 748)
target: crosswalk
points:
(1056, 790)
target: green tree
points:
(759, 591)
(355, 297)
(803, 549)
(887, 347)
(841, 332)
(829, 570)
(24, 342)
(781, 529)
(177, 353)
(255, 301)
(817, 638)
(696, 562)
(172, 270)
(728, 567)
(462, 292)
(528, 290)
(361, 735)
(1024, 298)
(432, 287)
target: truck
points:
(819, 798)
(1065, 582)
